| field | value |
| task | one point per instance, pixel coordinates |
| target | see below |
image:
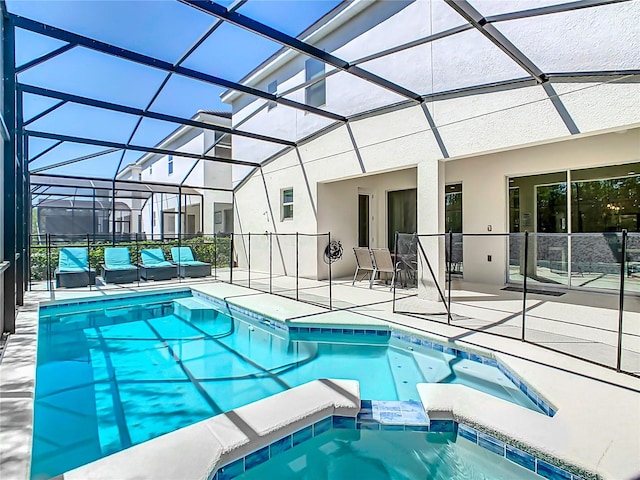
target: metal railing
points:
(252, 260)
(589, 323)
(45, 249)
(259, 258)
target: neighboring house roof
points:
(181, 130)
(216, 113)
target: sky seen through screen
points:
(163, 29)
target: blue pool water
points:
(387, 455)
(109, 378)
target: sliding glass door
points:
(402, 212)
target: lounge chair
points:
(117, 267)
(187, 265)
(154, 266)
(73, 268)
(382, 263)
(364, 262)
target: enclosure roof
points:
(102, 84)
(52, 184)
(99, 204)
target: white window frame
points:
(272, 87)
(170, 165)
(317, 84)
(284, 204)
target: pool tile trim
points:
(274, 324)
(106, 300)
(367, 420)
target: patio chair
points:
(364, 262)
(117, 267)
(188, 266)
(154, 266)
(73, 268)
(383, 263)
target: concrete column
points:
(431, 220)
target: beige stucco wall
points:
(338, 210)
(484, 181)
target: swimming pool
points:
(111, 375)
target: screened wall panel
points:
(213, 56)
(83, 72)
(183, 97)
(96, 124)
(130, 25)
(410, 68)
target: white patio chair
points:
(384, 264)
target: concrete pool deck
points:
(598, 409)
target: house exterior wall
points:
(506, 130)
(209, 174)
(484, 181)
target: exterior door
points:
(402, 211)
(364, 223)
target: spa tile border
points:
(514, 455)
(408, 416)
(547, 407)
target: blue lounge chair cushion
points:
(117, 258)
(73, 259)
(154, 257)
(184, 256)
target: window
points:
(170, 164)
(151, 169)
(287, 204)
(315, 94)
(272, 88)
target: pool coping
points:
(227, 445)
(525, 430)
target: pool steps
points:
(193, 309)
